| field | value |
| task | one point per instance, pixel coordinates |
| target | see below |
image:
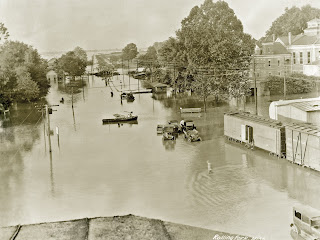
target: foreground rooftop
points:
(127, 227)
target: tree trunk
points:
(205, 103)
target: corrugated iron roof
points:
(307, 106)
(308, 128)
(255, 118)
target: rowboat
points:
(120, 118)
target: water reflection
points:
(129, 169)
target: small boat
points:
(120, 118)
(129, 96)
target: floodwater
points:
(105, 170)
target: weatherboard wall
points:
(268, 134)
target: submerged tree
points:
(294, 20)
(129, 52)
(4, 34)
(22, 73)
(214, 40)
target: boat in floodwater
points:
(120, 118)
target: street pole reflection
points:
(51, 175)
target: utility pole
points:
(128, 74)
(284, 83)
(255, 87)
(137, 72)
(72, 96)
(174, 79)
(122, 72)
(48, 127)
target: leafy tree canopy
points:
(293, 20)
(129, 52)
(72, 63)
(80, 53)
(21, 65)
(213, 37)
(4, 34)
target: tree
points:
(293, 20)
(4, 34)
(72, 64)
(81, 54)
(295, 83)
(213, 40)
(26, 89)
(129, 52)
(21, 66)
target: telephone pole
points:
(255, 87)
(48, 127)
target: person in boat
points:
(62, 100)
(130, 114)
(111, 94)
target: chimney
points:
(289, 38)
(273, 37)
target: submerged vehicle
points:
(160, 128)
(175, 124)
(187, 125)
(306, 223)
(192, 135)
(168, 132)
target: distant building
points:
(52, 75)
(305, 110)
(287, 54)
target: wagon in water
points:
(192, 135)
(160, 128)
(168, 132)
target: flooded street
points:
(105, 170)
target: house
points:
(304, 110)
(52, 75)
(159, 87)
(284, 55)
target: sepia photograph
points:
(159, 120)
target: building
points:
(52, 75)
(304, 110)
(287, 54)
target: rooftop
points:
(255, 118)
(113, 228)
(305, 128)
(307, 211)
(307, 106)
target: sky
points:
(61, 25)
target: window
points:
(301, 57)
(297, 214)
(278, 62)
(268, 50)
(269, 63)
(279, 73)
(294, 57)
(309, 57)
